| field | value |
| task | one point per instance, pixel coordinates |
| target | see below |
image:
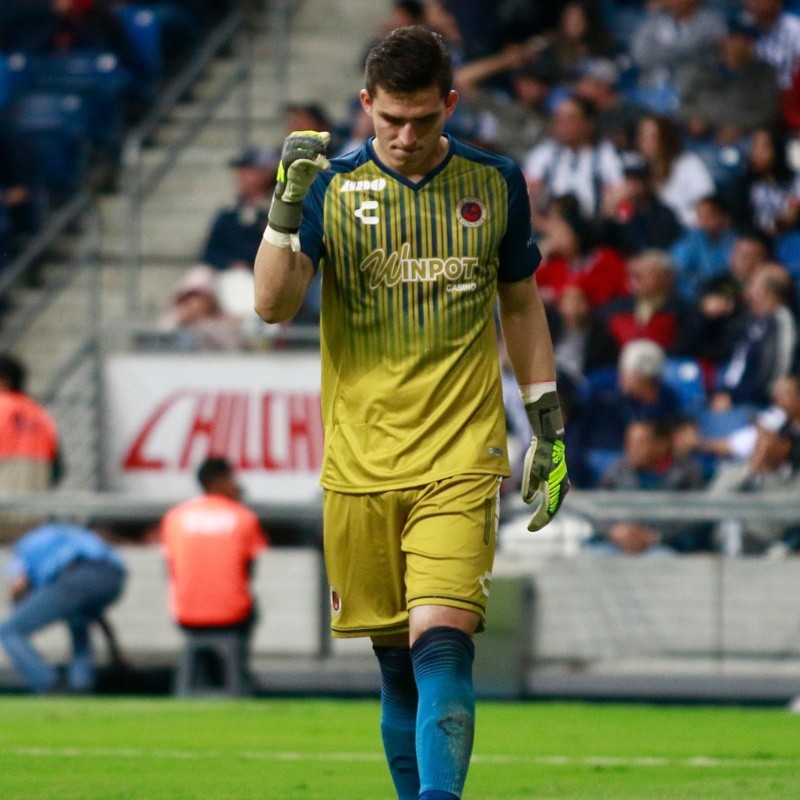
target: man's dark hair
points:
(753, 234)
(718, 200)
(211, 470)
(407, 60)
(13, 373)
(414, 8)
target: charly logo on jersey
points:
(389, 269)
(364, 212)
(471, 212)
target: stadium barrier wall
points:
(692, 627)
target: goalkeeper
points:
(417, 235)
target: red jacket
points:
(601, 274)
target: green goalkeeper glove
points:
(302, 157)
(544, 476)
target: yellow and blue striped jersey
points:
(411, 388)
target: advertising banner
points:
(165, 413)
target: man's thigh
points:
(387, 552)
(40, 608)
(449, 543)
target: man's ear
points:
(450, 103)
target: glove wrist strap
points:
(545, 417)
(285, 217)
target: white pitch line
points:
(274, 755)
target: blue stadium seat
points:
(98, 78)
(599, 460)
(622, 20)
(54, 127)
(598, 379)
(659, 99)
(686, 378)
(715, 424)
(17, 75)
(143, 34)
(5, 83)
(787, 251)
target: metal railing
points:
(73, 392)
(110, 507)
(142, 183)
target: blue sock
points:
(399, 719)
(442, 659)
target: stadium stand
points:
(681, 167)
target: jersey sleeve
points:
(312, 231)
(519, 254)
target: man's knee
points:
(426, 617)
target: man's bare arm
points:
(526, 333)
(282, 272)
(282, 278)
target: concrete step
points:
(327, 41)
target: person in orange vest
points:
(210, 543)
(30, 459)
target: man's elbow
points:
(268, 313)
(273, 312)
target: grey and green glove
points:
(302, 157)
(544, 476)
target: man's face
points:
(640, 446)
(747, 254)
(711, 220)
(570, 126)
(408, 127)
(758, 296)
(253, 183)
(647, 279)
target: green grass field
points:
(275, 749)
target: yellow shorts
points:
(390, 551)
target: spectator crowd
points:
(660, 142)
(74, 74)
(661, 146)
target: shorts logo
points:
(336, 603)
(471, 212)
(484, 581)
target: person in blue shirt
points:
(704, 252)
(59, 573)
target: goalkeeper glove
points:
(302, 157)
(544, 476)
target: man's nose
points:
(407, 135)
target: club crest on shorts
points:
(336, 603)
(471, 212)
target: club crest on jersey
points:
(471, 212)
